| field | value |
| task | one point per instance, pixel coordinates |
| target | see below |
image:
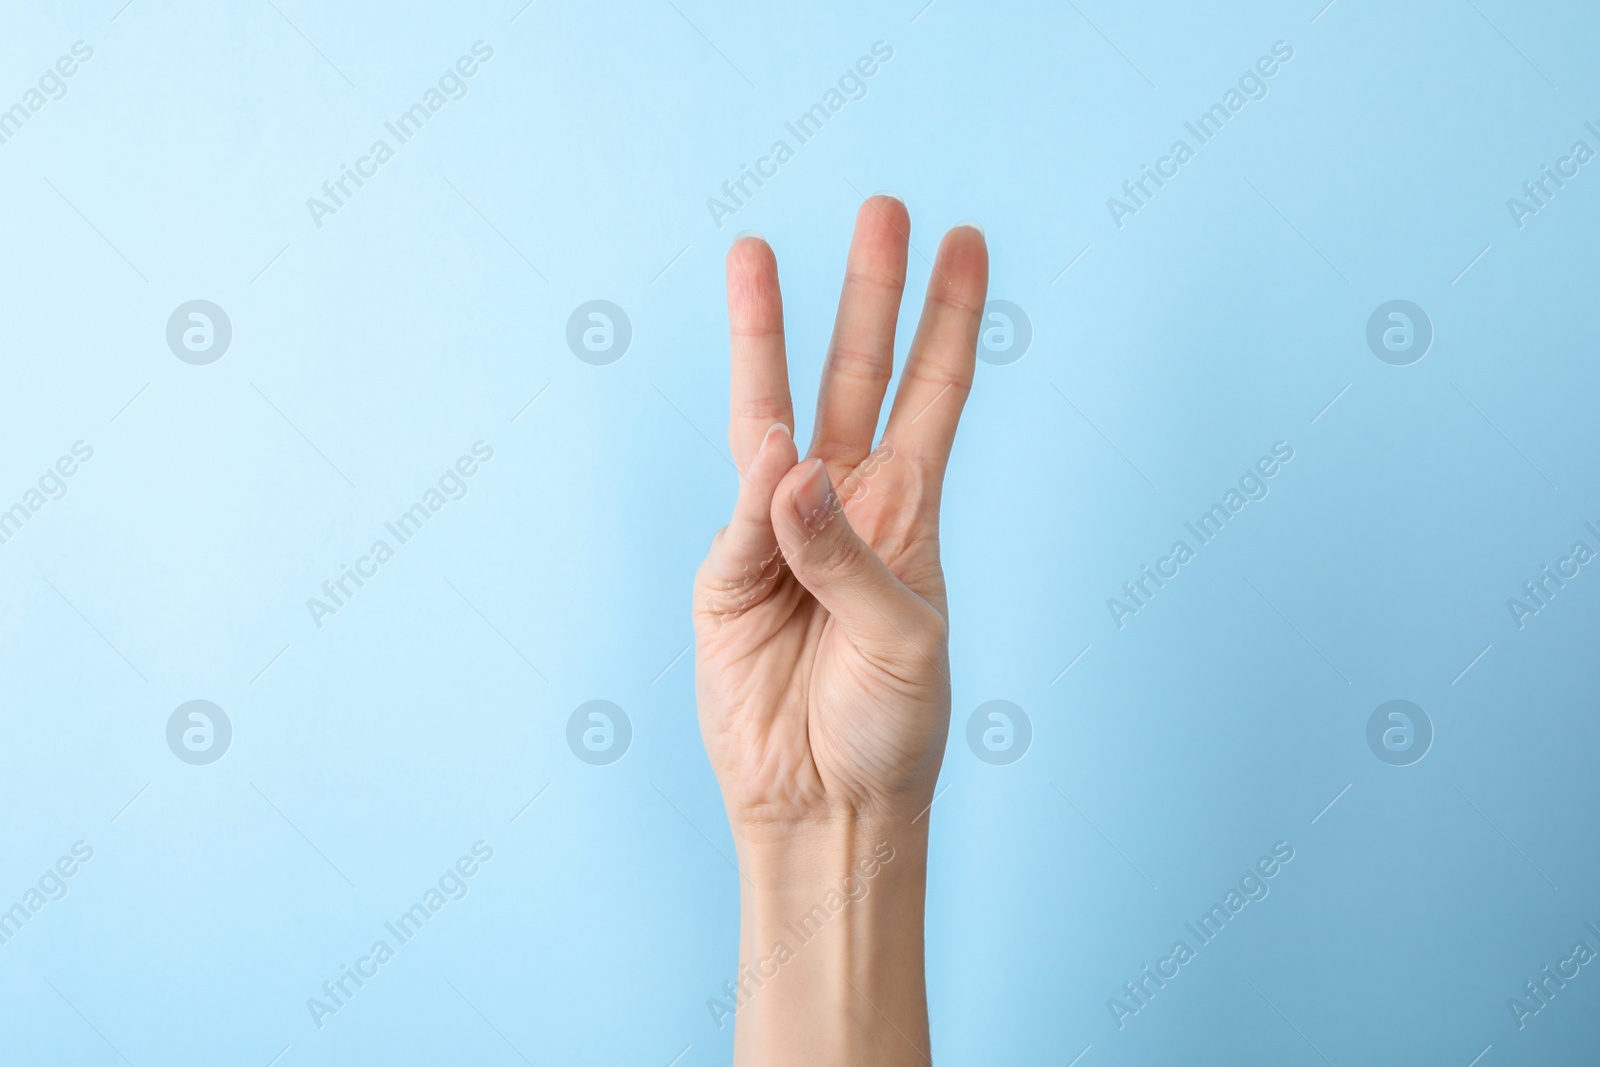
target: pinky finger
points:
(744, 556)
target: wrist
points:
(831, 943)
(811, 856)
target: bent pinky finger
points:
(744, 558)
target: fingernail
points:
(776, 430)
(813, 494)
(742, 234)
(972, 223)
(891, 196)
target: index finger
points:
(759, 377)
(938, 372)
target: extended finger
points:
(939, 369)
(861, 354)
(759, 377)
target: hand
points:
(821, 630)
(821, 655)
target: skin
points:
(822, 659)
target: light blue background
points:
(370, 353)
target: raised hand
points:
(821, 644)
(822, 667)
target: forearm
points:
(831, 947)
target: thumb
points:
(845, 575)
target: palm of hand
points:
(821, 661)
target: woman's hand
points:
(822, 667)
(821, 663)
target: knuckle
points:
(957, 299)
(764, 408)
(942, 380)
(858, 362)
(882, 278)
